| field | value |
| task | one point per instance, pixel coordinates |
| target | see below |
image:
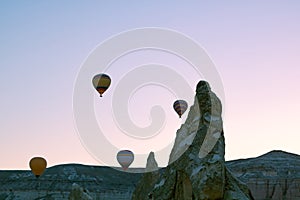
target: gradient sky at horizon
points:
(255, 46)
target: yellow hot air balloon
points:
(101, 83)
(125, 158)
(37, 166)
(180, 107)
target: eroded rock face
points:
(274, 175)
(78, 193)
(151, 163)
(148, 179)
(196, 167)
(100, 182)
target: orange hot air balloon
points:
(101, 83)
(37, 166)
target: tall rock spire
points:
(196, 168)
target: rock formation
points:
(196, 167)
(275, 175)
(101, 182)
(148, 179)
(151, 163)
(78, 193)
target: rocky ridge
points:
(58, 183)
(106, 183)
(274, 175)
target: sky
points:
(254, 46)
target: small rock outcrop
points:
(151, 163)
(148, 179)
(196, 169)
(78, 193)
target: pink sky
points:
(255, 47)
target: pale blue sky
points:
(255, 46)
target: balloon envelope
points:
(38, 165)
(180, 106)
(125, 158)
(101, 82)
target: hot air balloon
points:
(125, 158)
(101, 82)
(180, 107)
(37, 166)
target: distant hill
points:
(274, 175)
(56, 182)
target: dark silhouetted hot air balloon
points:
(180, 107)
(101, 82)
(37, 166)
(125, 158)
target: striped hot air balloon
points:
(37, 165)
(180, 107)
(125, 158)
(101, 83)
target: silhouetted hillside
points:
(274, 175)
